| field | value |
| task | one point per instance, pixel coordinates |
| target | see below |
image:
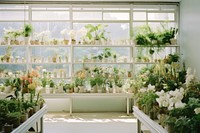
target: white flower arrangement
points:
(12, 33)
(43, 35)
(148, 89)
(171, 99)
(64, 33)
(197, 110)
(190, 76)
(82, 32)
(72, 34)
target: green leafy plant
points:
(96, 32)
(27, 30)
(168, 34)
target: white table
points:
(146, 121)
(71, 96)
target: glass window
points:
(139, 15)
(87, 15)
(50, 15)
(13, 15)
(115, 16)
(161, 16)
(54, 27)
(118, 30)
(14, 25)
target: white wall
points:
(190, 33)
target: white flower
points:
(64, 33)
(82, 31)
(151, 87)
(197, 110)
(179, 104)
(143, 90)
(161, 93)
(10, 74)
(72, 34)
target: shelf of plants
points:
(144, 119)
(169, 93)
(21, 110)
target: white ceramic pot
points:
(81, 89)
(7, 89)
(76, 89)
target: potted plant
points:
(64, 33)
(72, 34)
(96, 34)
(93, 85)
(69, 87)
(14, 118)
(7, 84)
(27, 31)
(79, 85)
(8, 128)
(170, 122)
(7, 55)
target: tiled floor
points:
(89, 123)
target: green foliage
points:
(96, 32)
(27, 30)
(182, 125)
(172, 58)
(51, 83)
(168, 34)
(79, 82)
(92, 82)
(13, 116)
(68, 86)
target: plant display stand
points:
(146, 121)
(72, 96)
(37, 117)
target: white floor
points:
(89, 123)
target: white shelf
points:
(43, 63)
(146, 121)
(69, 95)
(138, 63)
(24, 127)
(49, 45)
(13, 45)
(13, 63)
(158, 46)
(80, 45)
(103, 62)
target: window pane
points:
(13, 15)
(14, 25)
(118, 30)
(116, 16)
(54, 27)
(50, 15)
(158, 25)
(161, 16)
(115, 31)
(87, 16)
(137, 24)
(22, 7)
(139, 15)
